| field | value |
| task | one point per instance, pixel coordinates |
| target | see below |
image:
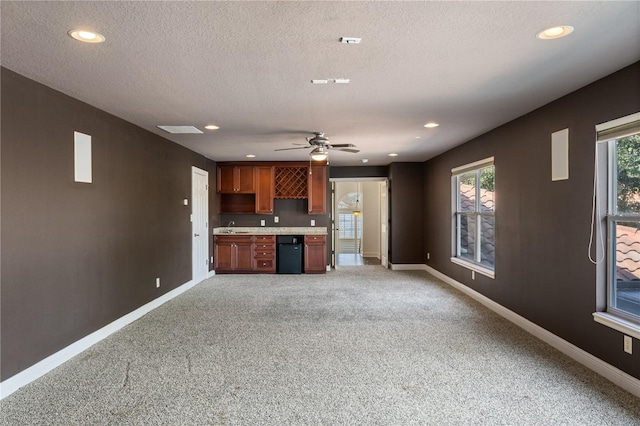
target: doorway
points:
(199, 223)
(359, 222)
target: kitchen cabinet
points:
(264, 254)
(265, 192)
(317, 189)
(315, 254)
(233, 253)
(236, 179)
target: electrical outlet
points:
(276, 219)
(262, 223)
(628, 344)
(211, 259)
(313, 222)
(157, 282)
(473, 275)
(428, 256)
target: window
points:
(349, 225)
(623, 223)
(619, 152)
(473, 195)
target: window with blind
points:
(473, 228)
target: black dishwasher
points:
(289, 255)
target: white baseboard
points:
(608, 371)
(408, 267)
(371, 254)
(41, 368)
(211, 274)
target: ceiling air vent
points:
(180, 129)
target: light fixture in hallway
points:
(357, 210)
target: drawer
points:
(266, 254)
(233, 239)
(265, 246)
(265, 239)
(265, 265)
(315, 239)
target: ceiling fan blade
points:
(287, 149)
(342, 145)
(348, 150)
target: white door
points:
(199, 223)
(384, 223)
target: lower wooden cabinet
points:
(315, 254)
(233, 253)
(257, 254)
(245, 254)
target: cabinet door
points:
(224, 254)
(245, 179)
(315, 254)
(317, 189)
(226, 182)
(244, 256)
(264, 190)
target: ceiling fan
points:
(321, 146)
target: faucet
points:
(229, 230)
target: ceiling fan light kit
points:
(319, 154)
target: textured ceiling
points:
(247, 66)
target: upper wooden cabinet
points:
(317, 189)
(264, 189)
(252, 187)
(236, 180)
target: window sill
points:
(474, 267)
(622, 325)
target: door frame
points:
(196, 237)
(384, 208)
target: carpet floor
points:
(357, 346)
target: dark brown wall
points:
(75, 256)
(358, 171)
(406, 196)
(542, 227)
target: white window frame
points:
(608, 133)
(456, 172)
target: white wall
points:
(371, 219)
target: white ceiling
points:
(247, 66)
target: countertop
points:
(271, 230)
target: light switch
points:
(313, 222)
(185, 202)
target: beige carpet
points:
(358, 346)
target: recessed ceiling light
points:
(341, 80)
(211, 127)
(365, 160)
(555, 32)
(393, 154)
(250, 156)
(417, 137)
(86, 36)
(319, 81)
(431, 125)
